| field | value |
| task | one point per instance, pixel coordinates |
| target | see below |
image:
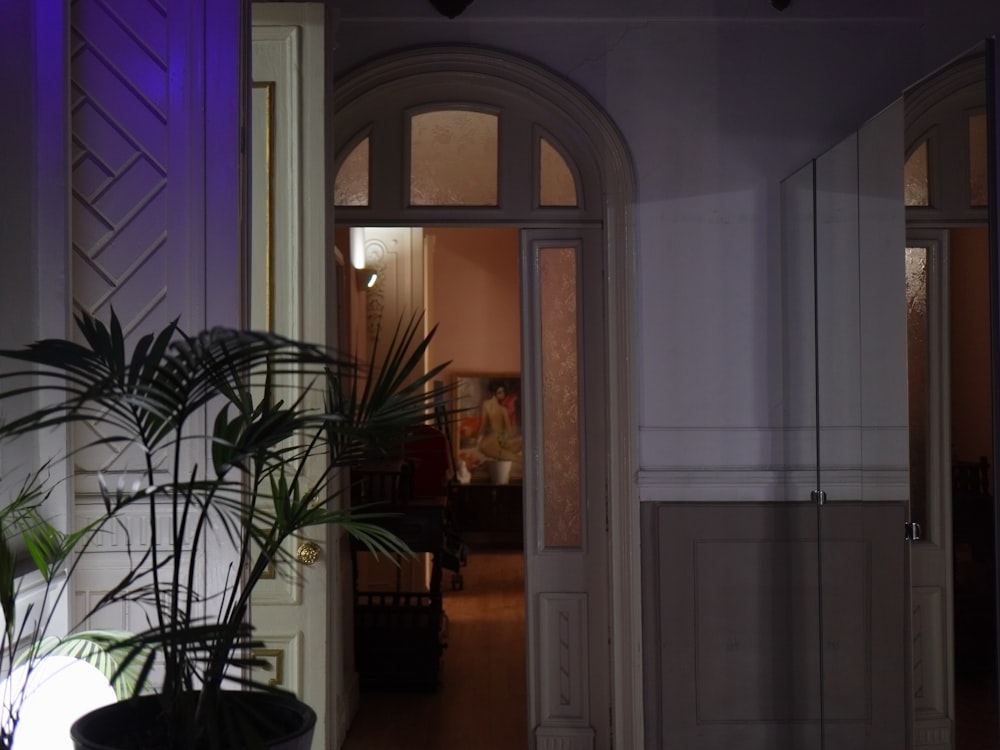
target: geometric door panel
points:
(145, 81)
(131, 143)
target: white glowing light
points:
(58, 691)
(358, 247)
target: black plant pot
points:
(275, 721)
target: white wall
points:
(718, 102)
(34, 210)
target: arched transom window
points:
(945, 171)
(425, 158)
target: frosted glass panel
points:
(978, 193)
(917, 186)
(453, 158)
(351, 186)
(560, 394)
(917, 353)
(558, 188)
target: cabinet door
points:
(863, 447)
(846, 432)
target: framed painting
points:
(488, 427)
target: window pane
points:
(453, 158)
(978, 192)
(558, 188)
(917, 185)
(351, 186)
(917, 354)
(560, 393)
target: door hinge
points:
(912, 531)
(818, 497)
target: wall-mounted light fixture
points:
(358, 247)
(366, 277)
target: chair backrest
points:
(426, 449)
(384, 483)
(971, 477)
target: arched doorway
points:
(951, 393)
(581, 534)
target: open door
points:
(288, 296)
(565, 489)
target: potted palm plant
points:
(276, 423)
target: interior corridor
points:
(482, 699)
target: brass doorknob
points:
(307, 553)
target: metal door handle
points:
(307, 553)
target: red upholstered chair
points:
(426, 450)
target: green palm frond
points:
(370, 412)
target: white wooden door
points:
(288, 296)
(931, 556)
(565, 489)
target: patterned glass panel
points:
(351, 185)
(560, 394)
(453, 158)
(917, 375)
(558, 188)
(978, 193)
(917, 182)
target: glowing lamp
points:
(57, 691)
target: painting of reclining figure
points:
(489, 437)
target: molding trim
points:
(564, 739)
(965, 76)
(720, 484)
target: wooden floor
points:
(976, 713)
(482, 701)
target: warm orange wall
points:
(972, 435)
(473, 294)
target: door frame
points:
(935, 112)
(615, 206)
